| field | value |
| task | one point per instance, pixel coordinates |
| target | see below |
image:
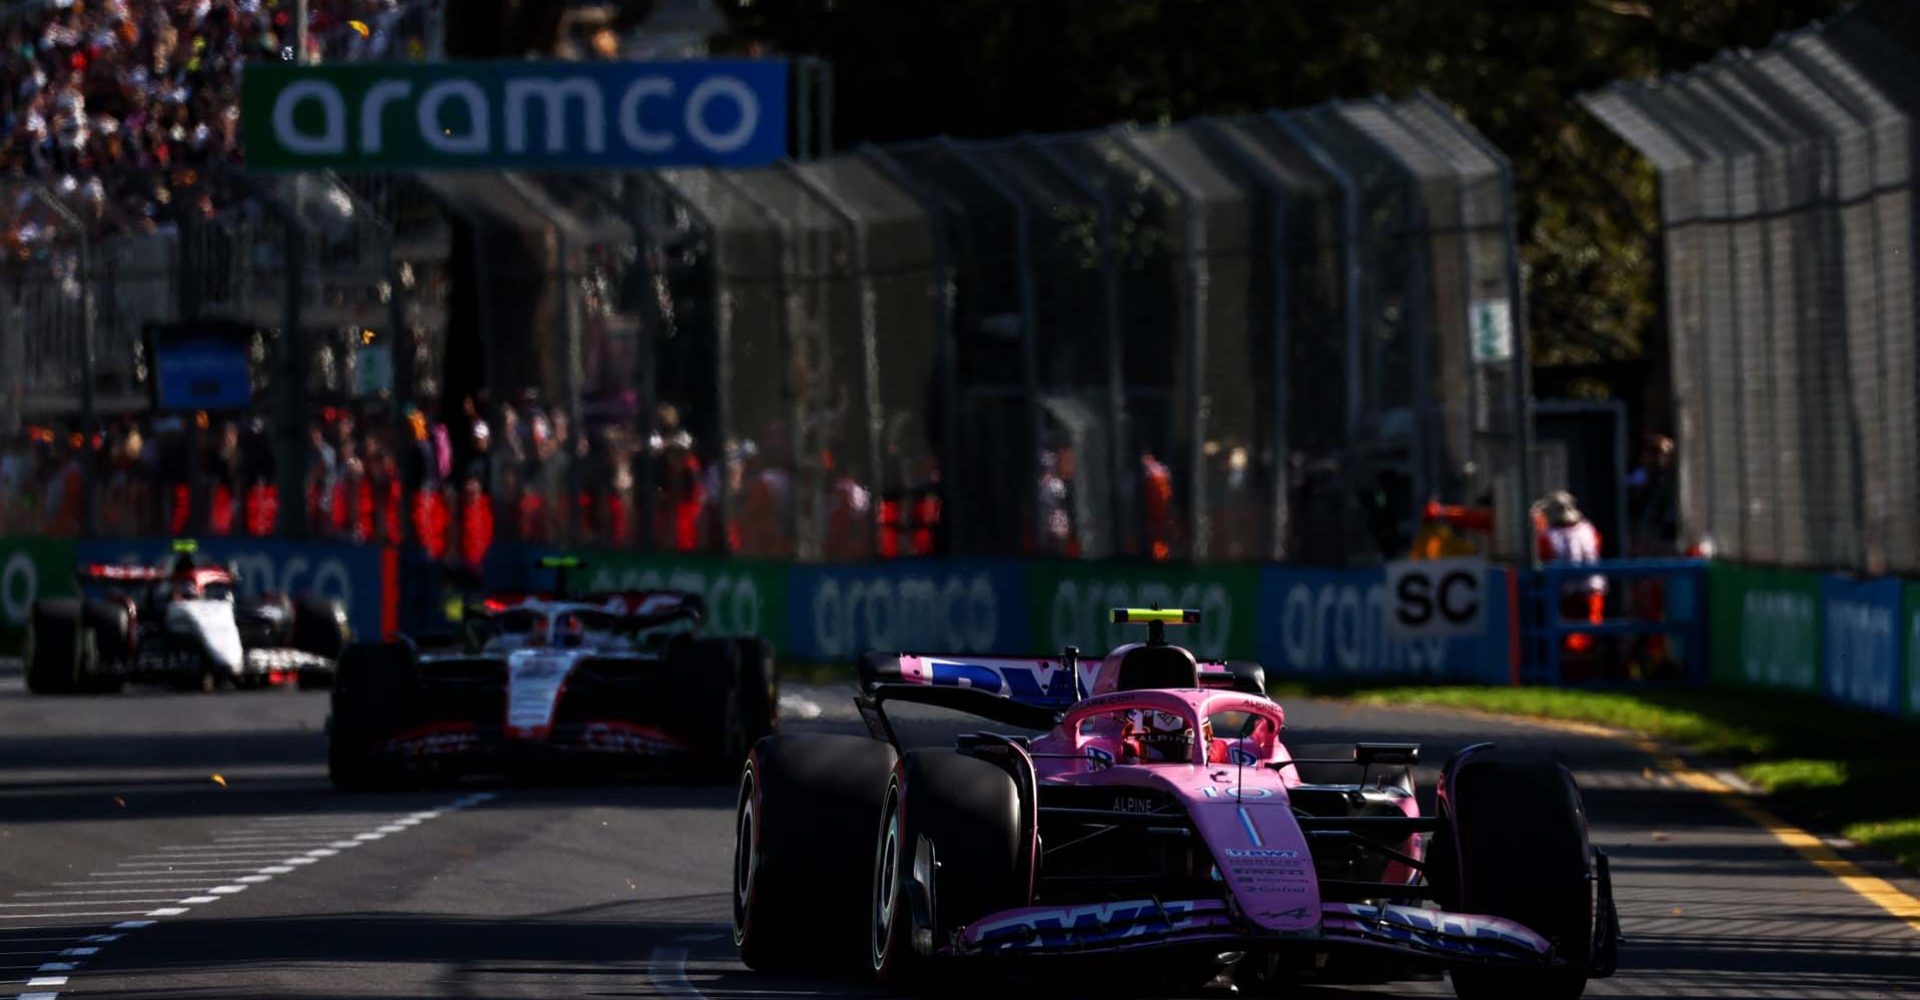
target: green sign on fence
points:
(744, 597)
(1766, 627)
(1071, 602)
(31, 568)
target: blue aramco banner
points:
(1860, 655)
(512, 115)
(1331, 624)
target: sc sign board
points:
(1436, 598)
(542, 116)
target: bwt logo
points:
(1339, 625)
(1086, 924)
(1029, 685)
(958, 613)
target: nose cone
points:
(213, 624)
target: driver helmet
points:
(1151, 735)
(572, 633)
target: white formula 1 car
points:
(181, 623)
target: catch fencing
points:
(1264, 337)
(1787, 181)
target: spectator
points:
(1566, 536)
(1651, 500)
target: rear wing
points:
(630, 612)
(1039, 681)
(114, 573)
(666, 605)
(1046, 682)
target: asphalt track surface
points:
(127, 870)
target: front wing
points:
(1148, 924)
(468, 743)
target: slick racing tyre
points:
(317, 627)
(107, 639)
(803, 850)
(1514, 845)
(372, 701)
(55, 659)
(725, 677)
(968, 813)
(760, 692)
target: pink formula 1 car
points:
(1158, 815)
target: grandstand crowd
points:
(125, 106)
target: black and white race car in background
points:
(181, 623)
(612, 679)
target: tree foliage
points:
(908, 69)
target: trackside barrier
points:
(1299, 622)
(1658, 606)
(1853, 641)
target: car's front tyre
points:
(967, 812)
(373, 695)
(803, 826)
(1515, 846)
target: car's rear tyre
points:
(969, 812)
(111, 623)
(759, 688)
(52, 649)
(724, 674)
(373, 696)
(804, 823)
(316, 627)
(1515, 846)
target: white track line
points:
(83, 892)
(186, 865)
(667, 967)
(173, 865)
(206, 849)
(142, 881)
(67, 916)
(174, 871)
